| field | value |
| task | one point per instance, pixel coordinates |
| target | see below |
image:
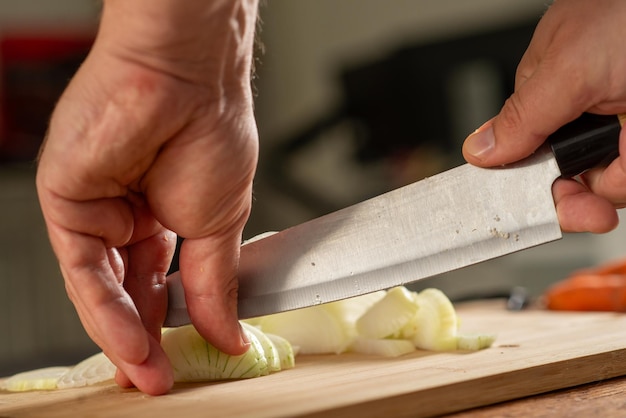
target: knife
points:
(454, 219)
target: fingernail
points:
(481, 143)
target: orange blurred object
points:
(596, 289)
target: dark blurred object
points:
(403, 101)
(35, 70)
(518, 299)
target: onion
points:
(474, 342)
(39, 379)
(95, 369)
(194, 359)
(269, 348)
(382, 347)
(388, 315)
(434, 326)
(386, 323)
(314, 330)
(285, 351)
(351, 309)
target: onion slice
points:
(269, 348)
(385, 323)
(284, 350)
(194, 359)
(382, 347)
(314, 330)
(473, 342)
(39, 379)
(434, 327)
(94, 369)
(388, 315)
(351, 309)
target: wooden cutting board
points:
(536, 351)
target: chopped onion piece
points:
(194, 359)
(386, 323)
(389, 315)
(351, 309)
(435, 323)
(474, 342)
(382, 347)
(269, 349)
(94, 369)
(39, 379)
(315, 330)
(284, 351)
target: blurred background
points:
(353, 98)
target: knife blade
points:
(457, 218)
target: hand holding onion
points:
(155, 135)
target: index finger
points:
(107, 311)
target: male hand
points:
(575, 63)
(154, 136)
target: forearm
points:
(200, 41)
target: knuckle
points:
(512, 115)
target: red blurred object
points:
(35, 68)
(595, 289)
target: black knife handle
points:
(587, 142)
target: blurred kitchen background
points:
(354, 98)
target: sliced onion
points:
(351, 309)
(39, 379)
(382, 347)
(388, 315)
(194, 359)
(386, 323)
(95, 369)
(473, 342)
(435, 323)
(313, 330)
(284, 351)
(269, 349)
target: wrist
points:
(201, 41)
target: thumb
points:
(540, 105)
(208, 268)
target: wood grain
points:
(606, 399)
(535, 352)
